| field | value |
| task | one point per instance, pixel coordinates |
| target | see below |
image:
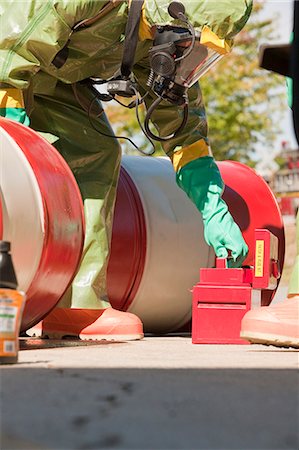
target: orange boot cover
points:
(273, 325)
(94, 324)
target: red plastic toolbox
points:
(224, 295)
(220, 301)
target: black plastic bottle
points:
(11, 307)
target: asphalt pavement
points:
(158, 393)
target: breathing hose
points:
(150, 111)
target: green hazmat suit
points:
(32, 33)
(294, 281)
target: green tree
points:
(243, 102)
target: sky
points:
(284, 10)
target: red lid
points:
(226, 277)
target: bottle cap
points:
(8, 277)
(4, 246)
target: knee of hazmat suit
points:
(294, 281)
(31, 41)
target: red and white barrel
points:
(168, 247)
(158, 245)
(41, 214)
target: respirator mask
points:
(177, 61)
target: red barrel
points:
(253, 205)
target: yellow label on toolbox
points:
(259, 258)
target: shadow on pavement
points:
(149, 409)
(40, 344)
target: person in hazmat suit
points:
(49, 52)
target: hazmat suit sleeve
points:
(196, 171)
(32, 33)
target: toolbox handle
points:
(221, 263)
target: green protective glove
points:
(12, 105)
(202, 182)
(290, 83)
(17, 114)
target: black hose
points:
(191, 47)
(137, 103)
(101, 132)
(150, 111)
